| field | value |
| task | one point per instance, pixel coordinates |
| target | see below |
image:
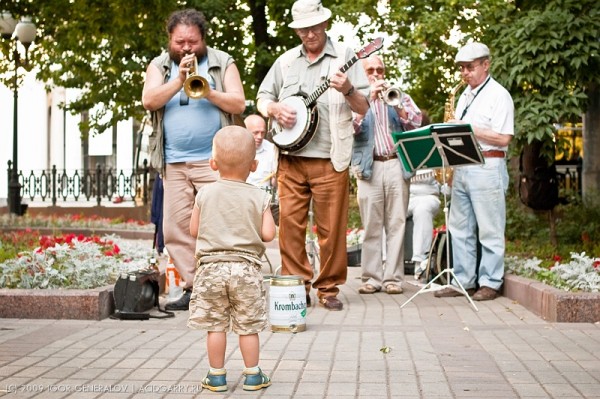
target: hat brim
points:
(312, 21)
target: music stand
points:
(439, 146)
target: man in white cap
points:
(317, 172)
(478, 211)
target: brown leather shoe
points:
(331, 303)
(450, 292)
(485, 294)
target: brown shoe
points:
(393, 289)
(450, 292)
(485, 294)
(331, 303)
(367, 289)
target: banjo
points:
(307, 117)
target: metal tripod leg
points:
(427, 287)
(313, 250)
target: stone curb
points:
(550, 303)
(93, 304)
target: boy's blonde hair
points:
(234, 149)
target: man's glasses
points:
(378, 71)
(470, 66)
(317, 29)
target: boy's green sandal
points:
(215, 382)
(254, 382)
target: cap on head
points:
(307, 13)
(471, 52)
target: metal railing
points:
(84, 185)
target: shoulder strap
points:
(166, 314)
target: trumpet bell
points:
(392, 96)
(195, 86)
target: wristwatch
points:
(350, 92)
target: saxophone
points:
(448, 115)
(449, 106)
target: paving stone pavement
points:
(436, 348)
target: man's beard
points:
(176, 56)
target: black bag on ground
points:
(538, 183)
(135, 294)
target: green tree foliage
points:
(546, 54)
(103, 47)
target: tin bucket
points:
(287, 304)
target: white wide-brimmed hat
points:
(307, 13)
(471, 52)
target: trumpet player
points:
(478, 211)
(383, 184)
(184, 124)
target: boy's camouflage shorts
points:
(228, 293)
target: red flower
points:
(585, 237)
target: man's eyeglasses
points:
(317, 29)
(378, 71)
(470, 66)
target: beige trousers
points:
(383, 204)
(181, 183)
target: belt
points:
(493, 154)
(383, 158)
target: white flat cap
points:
(471, 52)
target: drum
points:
(287, 304)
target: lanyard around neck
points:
(474, 97)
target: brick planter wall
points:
(552, 304)
(94, 304)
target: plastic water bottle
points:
(173, 281)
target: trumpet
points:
(195, 86)
(391, 96)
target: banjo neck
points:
(311, 99)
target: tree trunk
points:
(591, 145)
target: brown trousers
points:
(299, 180)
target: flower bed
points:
(581, 274)
(74, 221)
(30, 260)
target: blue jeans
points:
(478, 211)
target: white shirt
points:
(265, 154)
(492, 108)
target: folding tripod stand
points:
(313, 249)
(435, 146)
